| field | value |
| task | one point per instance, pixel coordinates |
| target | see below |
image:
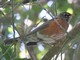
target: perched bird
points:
(54, 29)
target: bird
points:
(54, 29)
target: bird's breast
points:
(56, 28)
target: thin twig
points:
(55, 7)
(46, 11)
(13, 21)
(13, 9)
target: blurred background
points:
(18, 17)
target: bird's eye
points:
(66, 15)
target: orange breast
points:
(55, 28)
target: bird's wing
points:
(44, 25)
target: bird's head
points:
(65, 16)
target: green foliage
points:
(12, 52)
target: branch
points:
(31, 52)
